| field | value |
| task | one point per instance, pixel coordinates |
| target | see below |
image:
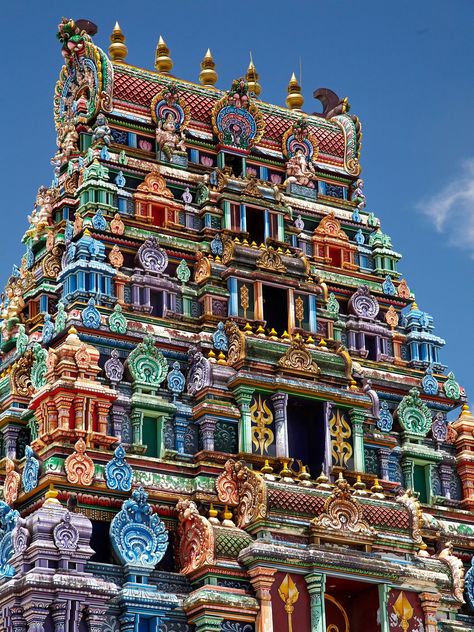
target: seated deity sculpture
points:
(168, 138)
(299, 170)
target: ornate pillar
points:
(383, 456)
(446, 476)
(280, 401)
(262, 579)
(180, 424)
(10, 435)
(316, 586)
(95, 618)
(35, 615)
(136, 420)
(383, 612)
(407, 469)
(208, 623)
(127, 622)
(430, 603)
(243, 395)
(58, 612)
(17, 619)
(357, 421)
(207, 428)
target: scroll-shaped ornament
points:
(79, 466)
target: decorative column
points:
(429, 603)
(383, 612)
(207, 428)
(383, 456)
(280, 401)
(35, 614)
(446, 476)
(10, 435)
(316, 587)
(407, 469)
(208, 623)
(357, 421)
(127, 622)
(58, 612)
(262, 580)
(243, 395)
(181, 421)
(95, 618)
(17, 618)
(136, 420)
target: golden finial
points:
(252, 78)
(294, 99)
(465, 412)
(117, 49)
(413, 306)
(51, 496)
(163, 61)
(208, 75)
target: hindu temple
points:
(221, 408)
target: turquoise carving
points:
(332, 305)
(30, 474)
(118, 473)
(39, 368)
(117, 321)
(388, 286)
(385, 420)
(61, 317)
(413, 414)
(91, 315)
(48, 329)
(429, 383)
(139, 538)
(469, 586)
(98, 221)
(219, 338)
(147, 364)
(183, 272)
(8, 519)
(21, 340)
(176, 380)
(451, 388)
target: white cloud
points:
(452, 208)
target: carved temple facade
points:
(222, 409)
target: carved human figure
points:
(69, 141)
(358, 194)
(299, 170)
(169, 139)
(102, 132)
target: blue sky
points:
(405, 66)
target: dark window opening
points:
(100, 542)
(235, 217)
(156, 302)
(235, 163)
(255, 224)
(335, 256)
(371, 346)
(168, 563)
(150, 436)
(307, 432)
(158, 215)
(275, 308)
(419, 482)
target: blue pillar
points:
(132, 139)
(233, 301)
(313, 327)
(243, 218)
(266, 232)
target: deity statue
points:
(68, 143)
(358, 194)
(169, 139)
(42, 212)
(102, 131)
(11, 308)
(299, 170)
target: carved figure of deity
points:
(299, 170)
(102, 132)
(169, 139)
(358, 194)
(69, 141)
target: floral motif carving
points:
(270, 260)
(66, 535)
(176, 380)
(117, 226)
(117, 321)
(202, 268)
(196, 537)
(138, 535)
(114, 368)
(226, 485)
(385, 420)
(299, 359)
(199, 375)
(151, 257)
(391, 317)
(403, 290)
(8, 520)
(116, 257)
(237, 343)
(343, 517)
(147, 364)
(11, 485)
(429, 383)
(252, 495)
(91, 315)
(451, 387)
(219, 338)
(30, 470)
(79, 466)
(118, 473)
(20, 377)
(439, 428)
(363, 304)
(413, 414)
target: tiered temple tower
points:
(221, 408)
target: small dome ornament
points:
(252, 78)
(208, 75)
(294, 99)
(163, 61)
(117, 49)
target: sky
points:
(407, 68)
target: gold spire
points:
(294, 99)
(208, 74)
(117, 49)
(51, 496)
(252, 78)
(163, 61)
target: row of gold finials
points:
(208, 76)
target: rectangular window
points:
(150, 436)
(275, 308)
(235, 217)
(307, 432)
(335, 256)
(273, 225)
(156, 302)
(255, 224)
(419, 482)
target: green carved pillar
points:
(357, 421)
(316, 586)
(407, 469)
(383, 600)
(208, 623)
(243, 395)
(136, 420)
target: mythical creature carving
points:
(79, 466)
(237, 343)
(227, 485)
(139, 537)
(196, 537)
(457, 570)
(8, 520)
(298, 359)
(252, 495)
